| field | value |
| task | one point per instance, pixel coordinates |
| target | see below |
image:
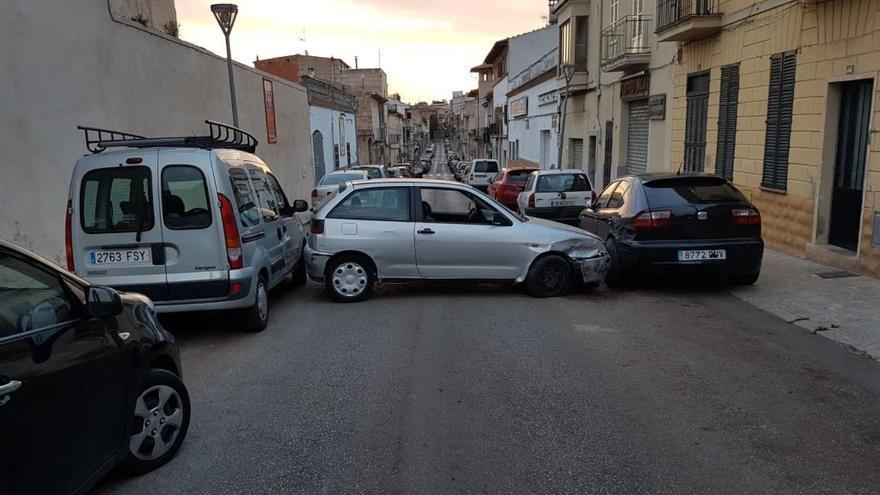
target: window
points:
(606, 195)
(563, 183)
(454, 206)
(486, 166)
(580, 47)
(245, 200)
(280, 197)
(118, 199)
(336, 179)
(185, 198)
(780, 101)
(619, 196)
(530, 182)
(32, 298)
(691, 190)
(390, 204)
(268, 205)
(566, 42)
(727, 113)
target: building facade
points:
(332, 114)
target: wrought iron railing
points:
(671, 12)
(626, 36)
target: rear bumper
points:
(744, 256)
(316, 263)
(563, 214)
(243, 298)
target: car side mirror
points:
(102, 302)
(300, 205)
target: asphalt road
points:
(464, 389)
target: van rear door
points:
(191, 226)
(117, 234)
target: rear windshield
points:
(485, 166)
(185, 198)
(372, 172)
(519, 175)
(336, 179)
(691, 190)
(118, 199)
(562, 183)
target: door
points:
(637, 138)
(275, 237)
(849, 165)
(591, 160)
(117, 237)
(195, 249)
(695, 123)
(545, 149)
(62, 415)
(318, 155)
(609, 150)
(590, 215)
(638, 33)
(456, 238)
(608, 214)
(293, 227)
(576, 158)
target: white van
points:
(481, 173)
(194, 223)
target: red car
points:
(508, 184)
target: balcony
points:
(686, 20)
(625, 44)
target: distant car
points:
(481, 173)
(331, 182)
(405, 230)
(508, 184)
(668, 222)
(461, 171)
(399, 172)
(558, 195)
(373, 171)
(89, 380)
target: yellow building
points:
(780, 95)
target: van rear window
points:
(691, 190)
(485, 166)
(116, 200)
(562, 183)
(185, 198)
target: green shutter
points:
(727, 115)
(780, 101)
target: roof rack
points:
(219, 136)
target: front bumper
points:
(593, 270)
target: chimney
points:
(355, 62)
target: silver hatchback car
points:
(405, 230)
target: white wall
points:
(66, 62)
(327, 121)
(526, 49)
(539, 118)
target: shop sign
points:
(657, 107)
(635, 87)
(519, 107)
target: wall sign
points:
(657, 107)
(548, 98)
(269, 104)
(519, 107)
(635, 87)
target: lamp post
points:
(568, 72)
(225, 13)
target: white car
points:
(481, 173)
(558, 195)
(331, 182)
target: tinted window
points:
(619, 196)
(388, 204)
(30, 297)
(530, 182)
(245, 199)
(277, 190)
(606, 195)
(691, 190)
(563, 183)
(185, 198)
(268, 204)
(518, 176)
(485, 166)
(118, 199)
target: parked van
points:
(481, 173)
(194, 223)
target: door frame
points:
(825, 186)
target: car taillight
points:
(68, 235)
(746, 216)
(532, 200)
(652, 219)
(230, 233)
(314, 193)
(317, 227)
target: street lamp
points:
(567, 71)
(225, 13)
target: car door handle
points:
(426, 232)
(280, 235)
(9, 387)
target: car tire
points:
(256, 318)
(616, 276)
(349, 278)
(550, 276)
(159, 422)
(744, 278)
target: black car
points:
(666, 222)
(89, 380)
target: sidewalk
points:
(842, 308)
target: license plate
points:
(121, 257)
(561, 202)
(702, 255)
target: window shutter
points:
(727, 115)
(580, 50)
(780, 101)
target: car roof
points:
(407, 182)
(645, 178)
(340, 172)
(557, 171)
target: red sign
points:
(269, 103)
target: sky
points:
(427, 46)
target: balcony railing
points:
(673, 13)
(625, 43)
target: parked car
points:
(395, 230)
(427, 166)
(508, 184)
(373, 171)
(331, 182)
(399, 172)
(668, 222)
(481, 173)
(407, 169)
(89, 380)
(461, 172)
(558, 195)
(196, 224)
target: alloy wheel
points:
(158, 417)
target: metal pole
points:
(231, 83)
(562, 125)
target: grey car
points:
(404, 230)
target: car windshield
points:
(336, 179)
(691, 190)
(562, 183)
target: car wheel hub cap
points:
(158, 416)
(349, 279)
(262, 302)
